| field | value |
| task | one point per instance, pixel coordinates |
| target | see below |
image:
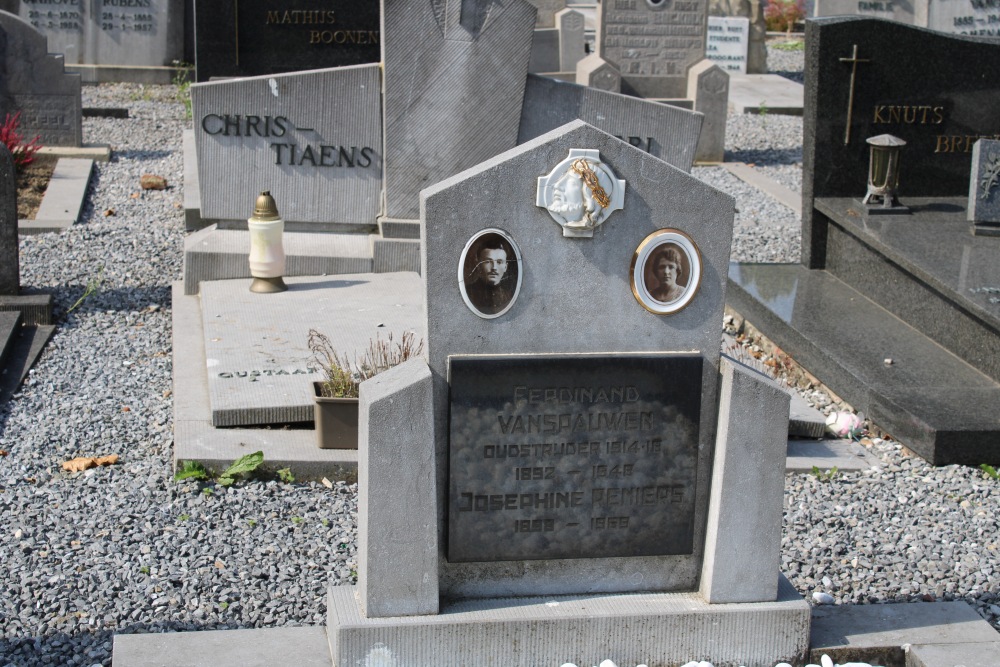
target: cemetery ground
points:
(124, 548)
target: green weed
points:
(827, 476)
(92, 286)
(990, 471)
(285, 475)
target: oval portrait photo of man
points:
(489, 273)
(666, 270)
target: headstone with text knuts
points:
(571, 462)
(253, 37)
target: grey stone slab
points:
(768, 93)
(391, 255)
(598, 462)
(743, 541)
(558, 311)
(836, 628)
(26, 348)
(546, 12)
(314, 139)
(708, 86)
(394, 228)
(35, 83)
(581, 629)
(10, 272)
(544, 51)
(219, 254)
(237, 38)
(111, 32)
(10, 323)
(984, 182)
(664, 131)
(929, 399)
(844, 455)
(35, 307)
(778, 191)
(305, 647)
(653, 44)
(152, 75)
(913, 12)
(436, 57)
(195, 439)
(397, 530)
(67, 188)
(572, 43)
(960, 17)
(192, 187)
(727, 43)
(95, 152)
(260, 370)
(980, 654)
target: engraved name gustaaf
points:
(569, 441)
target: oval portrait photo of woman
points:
(666, 271)
(489, 273)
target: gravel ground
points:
(125, 549)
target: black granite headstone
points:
(254, 37)
(865, 77)
(572, 456)
(9, 266)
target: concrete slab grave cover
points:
(573, 430)
(653, 43)
(314, 139)
(256, 37)
(134, 34)
(437, 56)
(35, 82)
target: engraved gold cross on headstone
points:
(854, 60)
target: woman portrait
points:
(666, 270)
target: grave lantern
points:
(883, 173)
(267, 255)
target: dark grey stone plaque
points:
(9, 267)
(572, 456)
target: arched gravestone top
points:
(576, 298)
(9, 266)
(35, 82)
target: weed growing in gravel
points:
(184, 517)
(285, 475)
(990, 471)
(93, 285)
(241, 466)
(183, 82)
(794, 45)
(297, 520)
(827, 476)
(251, 522)
(191, 470)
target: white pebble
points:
(822, 598)
(608, 663)
(826, 660)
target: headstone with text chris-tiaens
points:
(562, 440)
(653, 43)
(110, 32)
(254, 37)
(35, 83)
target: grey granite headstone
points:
(984, 183)
(312, 138)
(557, 310)
(653, 43)
(570, 24)
(454, 82)
(110, 32)
(255, 37)
(667, 132)
(10, 277)
(34, 82)
(708, 86)
(596, 72)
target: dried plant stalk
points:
(342, 378)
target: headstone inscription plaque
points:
(598, 462)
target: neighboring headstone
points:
(727, 43)
(664, 131)
(559, 464)
(110, 32)
(753, 11)
(10, 276)
(437, 57)
(570, 24)
(254, 37)
(596, 72)
(544, 51)
(313, 139)
(984, 185)
(547, 11)
(653, 43)
(708, 86)
(980, 18)
(34, 82)
(912, 13)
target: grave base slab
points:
(654, 628)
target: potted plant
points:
(336, 395)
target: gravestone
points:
(10, 273)
(437, 57)
(34, 82)
(912, 13)
(595, 72)
(708, 88)
(984, 186)
(566, 492)
(544, 50)
(313, 139)
(753, 11)
(920, 275)
(570, 24)
(547, 11)
(727, 43)
(255, 37)
(145, 33)
(965, 17)
(653, 43)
